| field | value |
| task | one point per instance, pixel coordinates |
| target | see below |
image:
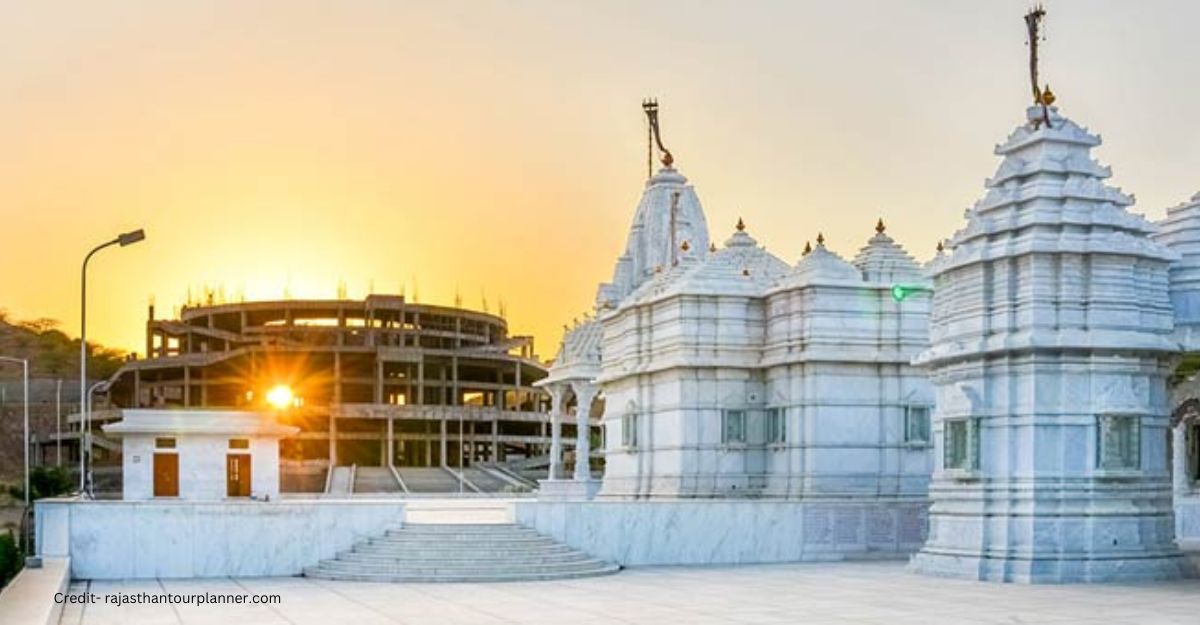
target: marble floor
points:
(842, 593)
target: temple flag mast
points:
(1043, 97)
(654, 137)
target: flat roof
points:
(181, 421)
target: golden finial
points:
(941, 248)
(685, 246)
(1048, 96)
(741, 225)
(820, 239)
(807, 248)
(712, 247)
(879, 227)
(745, 272)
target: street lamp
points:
(30, 561)
(128, 238)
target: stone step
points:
(465, 558)
(454, 539)
(449, 565)
(465, 551)
(337, 566)
(606, 569)
(462, 528)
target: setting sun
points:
(281, 397)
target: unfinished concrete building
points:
(377, 387)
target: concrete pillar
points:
(378, 381)
(391, 441)
(187, 384)
(428, 444)
(332, 440)
(421, 381)
(584, 394)
(558, 402)
(495, 439)
(442, 441)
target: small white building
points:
(199, 455)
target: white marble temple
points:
(1051, 344)
(178, 539)
(735, 375)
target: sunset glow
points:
(468, 148)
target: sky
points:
(497, 149)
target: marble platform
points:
(176, 539)
(724, 531)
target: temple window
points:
(776, 425)
(629, 430)
(916, 425)
(961, 444)
(1192, 439)
(733, 427)
(1119, 443)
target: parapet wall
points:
(178, 539)
(729, 531)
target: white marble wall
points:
(176, 539)
(202, 470)
(660, 532)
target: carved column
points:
(558, 401)
(584, 394)
(1179, 459)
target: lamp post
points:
(127, 238)
(88, 483)
(30, 561)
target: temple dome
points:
(657, 235)
(884, 260)
(579, 353)
(821, 266)
(1180, 231)
(742, 267)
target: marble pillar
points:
(584, 394)
(558, 399)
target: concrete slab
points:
(29, 599)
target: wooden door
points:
(166, 475)
(237, 475)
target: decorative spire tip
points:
(807, 248)
(741, 225)
(879, 227)
(820, 239)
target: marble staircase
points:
(460, 552)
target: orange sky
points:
(498, 148)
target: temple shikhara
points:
(1023, 407)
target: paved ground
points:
(804, 593)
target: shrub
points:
(44, 482)
(10, 558)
